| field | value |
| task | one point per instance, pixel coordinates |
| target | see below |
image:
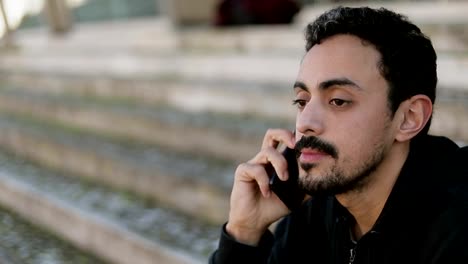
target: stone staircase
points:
(122, 138)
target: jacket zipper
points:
(352, 255)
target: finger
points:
(276, 159)
(275, 136)
(248, 172)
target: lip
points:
(311, 156)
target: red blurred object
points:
(246, 12)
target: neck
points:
(367, 203)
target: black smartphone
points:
(288, 191)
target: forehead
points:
(341, 56)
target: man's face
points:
(344, 125)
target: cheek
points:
(359, 139)
(368, 123)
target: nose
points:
(310, 121)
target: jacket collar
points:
(420, 185)
(417, 189)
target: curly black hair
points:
(408, 59)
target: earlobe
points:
(416, 113)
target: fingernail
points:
(293, 142)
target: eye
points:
(300, 103)
(339, 102)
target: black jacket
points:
(425, 220)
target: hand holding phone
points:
(288, 191)
(252, 209)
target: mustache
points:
(316, 143)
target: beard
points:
(336, 180)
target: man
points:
(381, 189)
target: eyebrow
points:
(329, 83)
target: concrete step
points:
(119, 227)
(191, 68)
(156, 35)
(192, 133)
(145, 35)
(188, 67)
(450, 117)
(245, 98)
(21, 242)
(159, 174)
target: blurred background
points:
(121, 122)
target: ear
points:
(415, 112)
